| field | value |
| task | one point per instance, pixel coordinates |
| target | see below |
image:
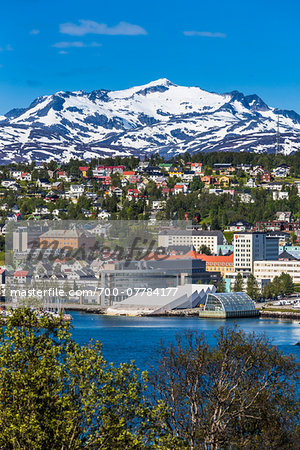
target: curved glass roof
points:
(231, 301)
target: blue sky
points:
(251, 46)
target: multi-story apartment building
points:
(268, 270)
(250, 247)
(192, 238)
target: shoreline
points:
(93, 309)
(293, 315)
(191, 312)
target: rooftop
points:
(191, 232)
(231, 304)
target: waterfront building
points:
(177, 269)
(227, 305)
(181, 297)
(168, 272)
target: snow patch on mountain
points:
(156, 117)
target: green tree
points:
(267, 292)
(287, 285)
(89, 173)
(52, 165)
(252, 287)
(205, 249)
(293, 238)
(196, 184)
(276, 287)
(238, 394)
(214, 223)
(55, 394)
(115, 179)
(238, 283)
(221, 287)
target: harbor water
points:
(135, 338)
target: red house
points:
(265, 177)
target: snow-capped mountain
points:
(157, 117)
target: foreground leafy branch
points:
(239, 394)
(56, 394)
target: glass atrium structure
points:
(231, 304)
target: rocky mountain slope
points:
(157, 117)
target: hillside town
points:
(241, 232)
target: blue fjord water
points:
(134, 338)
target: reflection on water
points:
(134, 338)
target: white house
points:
(115, 190)
(26, 176)
(77, 189)
(41, 210)
(2, 228)
(104, 215)
(188, 176)
(250, 183)
(284, 216)
(8, 183)
(273, 186)
(15, 187)
(280, 195)
(43, 183)
(180, 188)
(16, 174)
(158, 204)
(245, 197)
(281, 171)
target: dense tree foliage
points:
(205, 249)
(220, 210)
(252, 287)
(55, 394)
(238, 283)
(282, 285)
(238, 394)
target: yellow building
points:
(222, 264)
(175, 172)
(58, 239)
(224, 181)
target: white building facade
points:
(268, 270)
(250, 247)
(195, 238)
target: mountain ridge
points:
(159, 116)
